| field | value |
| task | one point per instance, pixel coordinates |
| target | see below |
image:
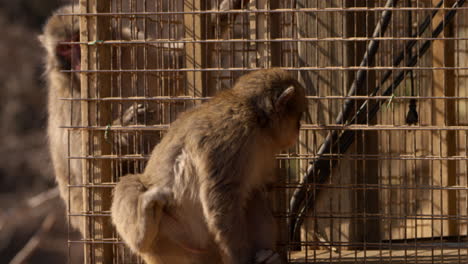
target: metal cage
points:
(380, 172)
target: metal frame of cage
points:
(364, 183)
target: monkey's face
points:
(69, 55)
(60, 33)
(288, 129)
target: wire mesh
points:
(390, 186)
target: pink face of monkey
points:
(69, 55)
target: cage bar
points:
(395, 193)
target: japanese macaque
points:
(66, 85)
(64, 113)
(202, 197)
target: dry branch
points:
(35, 240)
(26, 213)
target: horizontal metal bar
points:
(266, 11)
(328, 97)
(303, 127)
(152, 42)
(138, 98)
(329, 68)
(309, 158)
(386, 217)
(372, 186)
(401, 157)
(329, 215)
(438, 246)
(324, 186)
(96, 241)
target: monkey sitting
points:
(60, 57)
(202, 196)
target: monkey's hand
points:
(267, 256)
(132, 114)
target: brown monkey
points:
(202, 197)
(65, 85)
(60, 112)
(62, 144)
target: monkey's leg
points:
(262, 228)
(226, 221)
(136, 212)
(267, 256)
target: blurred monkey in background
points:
(62, 57)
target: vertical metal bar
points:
(85, 122)
(252, 34)
(367, 141)
(194, 52)
(94, 30)
(273, 30)
(263, 31)
(443, 114)
(103, 197)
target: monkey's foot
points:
(267, 256)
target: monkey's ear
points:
(284, 98)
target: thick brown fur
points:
(202, 197)
(65, 143)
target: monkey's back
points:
(220, 127)
(201, 145)
(215, 158)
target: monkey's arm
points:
(262, 228)
(226, 220)
(136, 212)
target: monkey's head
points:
(278, 101)
(62, 28)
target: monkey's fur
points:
(61, 112)
(61, 57)
(202, 196)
